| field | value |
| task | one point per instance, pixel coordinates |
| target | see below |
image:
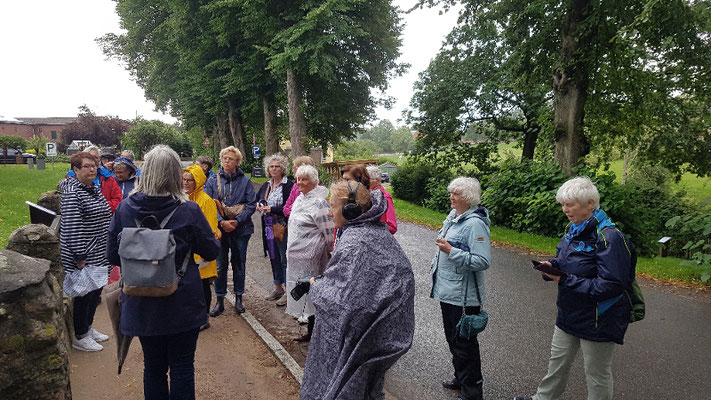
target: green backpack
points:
(634, 295)
(634, 292)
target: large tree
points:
(628, 73)
(100, 130)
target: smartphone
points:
(548, 269)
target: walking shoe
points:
(86, 344)
(275, 295)
(207, 325)
(239, 307)
(219, 307)
(523, 398)
(98, 336)
(282, 301)
(451, 385)
(303, 319)
(303, 338)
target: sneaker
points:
(303, 319)
(275, 295)
(98, 336)
(282, 301)
(86, 344)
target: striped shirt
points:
(84, 225)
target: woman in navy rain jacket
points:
(166, 326)
(593, 310)
(231, 187)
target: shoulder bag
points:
(228, 212)
(278, 229)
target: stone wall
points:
(34, 362)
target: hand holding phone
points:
(547, 267)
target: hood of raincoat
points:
(373, 214)
(129, 163)
(199, 175)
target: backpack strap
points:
(162, 223)
(219, 187)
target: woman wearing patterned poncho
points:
(310, 240)
(365, 316)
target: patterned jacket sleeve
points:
(325, 224)
(73, 249)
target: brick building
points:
(48, 128)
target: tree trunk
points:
(297, 123)
(221, 132)
(570, 85)
(270, 133)
(236, 127)
(627, 159)
(529, 142)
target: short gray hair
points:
(468, 188)
(374, 172)
(128, 154)
(308, 170)
(162, 174)
(283, 163)
(580, 189)
(90, 148)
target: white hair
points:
(283, 163)
(308, 170)
(468, 188)
(374, 172)
(90, 148)
(162, 174)
(580, 189)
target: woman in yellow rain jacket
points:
(193, 181)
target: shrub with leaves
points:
(697, 228)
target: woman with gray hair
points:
(271, 198)
(310, 241)
(389, 216)
(594, 265)
(166, 326)
(463, 253)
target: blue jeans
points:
(238, 246)
(279, 262)
(174, 353)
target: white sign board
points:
(51, 149)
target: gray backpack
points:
(148, 260)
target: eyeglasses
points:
(88, 167)
(228, 159)
(188, 180)
(275, 166)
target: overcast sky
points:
(51, 63)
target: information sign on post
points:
(256, 152)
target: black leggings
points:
(84, 309)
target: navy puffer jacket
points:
(600, 262)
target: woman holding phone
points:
(463, 253)
(597, 264)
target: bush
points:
(521, 196)
(436, 189)
(694, 230)
(410, 180)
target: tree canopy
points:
(100, 130)
(231, 66)
(630, 75)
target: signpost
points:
(257, 170)
(256, 152)
(51, 150)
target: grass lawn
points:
(19, 184)
(667, 269)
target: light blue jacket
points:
(471, 254)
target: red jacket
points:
(111, 191)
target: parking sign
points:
(51, 149)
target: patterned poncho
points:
(365, 317)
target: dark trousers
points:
(233, 251)
(207, 293)
(466, 358)
(169, 353)
(84, 309)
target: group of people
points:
(359, 308)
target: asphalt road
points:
(665, 356)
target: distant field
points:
(19, 184)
